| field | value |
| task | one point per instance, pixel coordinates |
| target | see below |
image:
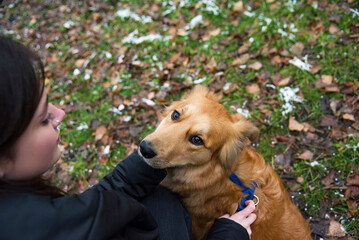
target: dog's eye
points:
(196, 140)
(175, 115)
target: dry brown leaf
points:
(308, 127)
(244, 48)
(328, 120)
(215, 32)
(352, 207)
(335, 229)
(348, 116)
(327, 79)
(333, 29)
(256, 66)
(332, 88)
(79, 62)
(238, 7)
(241, 60)
(253, 89)
(307, 155)
(284, 81)
(300, 179)
(175, 57)
(297, 48)
(315, 68)
(100, 132)
(276, 60)
(353, 179)
(329, 179)
(211, 66)
(294, 125)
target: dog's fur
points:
(200, 174)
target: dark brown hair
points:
(22, 80)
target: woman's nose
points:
(58, 115)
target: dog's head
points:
(195, 131)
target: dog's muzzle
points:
(147, 150)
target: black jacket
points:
(108, 210)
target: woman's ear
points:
(246, 129)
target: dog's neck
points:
(191, 178)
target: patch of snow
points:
(68, 24)
(76, 72)
(300, 64)
(133, 39)
(148, 102)
(194, 22)
(127, 13)
(288, 95)
(82, 126)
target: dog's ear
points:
(229, 153)
(245, 128)
(202, 91)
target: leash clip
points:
(257, 202)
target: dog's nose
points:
(147, 150)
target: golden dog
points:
(201, 144)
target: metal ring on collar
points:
(256, 197)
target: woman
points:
(126, 204)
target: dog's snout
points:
(147, 150)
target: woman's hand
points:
(244, 217)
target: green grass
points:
(275, 27)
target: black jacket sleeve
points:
(224, 229)
(106, 211)
(133, 176)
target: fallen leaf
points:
(335, 229)
(331, 89)
(256, 66)
(33, 20)
(320, 227)
(215, 32)
(175, 57)
(135, 130)
(244, 48)
(253, 89)
(352, 192)
(315, 68)
(348, 116)
(356, 125)
(327, 79)
(79, 62)
(333, 29)
(308, 127)
(284, 81)
(336, 133)
(211, 66)
(294, 125)
(241, 60)
(276, 60)
(328, 120)
(353, 179)
(100, 132)
(352, 207)
(300, 179)
(238, 7)
(283, 159)
(297, 48)
(329, 179)
(307, 155)
(335, 104)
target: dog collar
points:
(249, 192)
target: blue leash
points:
(249, 192)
